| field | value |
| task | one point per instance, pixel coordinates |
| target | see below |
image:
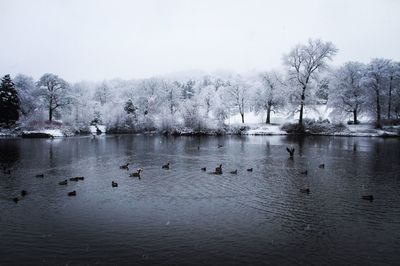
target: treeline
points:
(352, 90)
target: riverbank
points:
(255, 129)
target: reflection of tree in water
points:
(9, 153)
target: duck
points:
(80, 177)
(125, 166)
(165, 166)
(321, 166)
(304, 172)
(74, 179)
(368, 197)
(137, 173)
(204, 169)
(250, 170)
(305, 190)
(114, 184)
(24, 193)
(63, 183)
(233, 172)
(220, 145)
(218, 170)
(15, 199)
(290, 151)
(72, 193)
(198, 147)
(40, 176)
(7, 172)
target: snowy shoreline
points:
(247, 130)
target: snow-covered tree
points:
(376, 79)
(304, 62)
(27, 93)
(9, 102)
(394, 82)
(55, 92)
(238, 92)
(347, 95)
(270, 94)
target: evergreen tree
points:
(9, 102)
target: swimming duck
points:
(125, 166)
(74, 179)
(368, 197)
(305, 190)
(220, 145)
(321, 166)
(234, 172)
(63, 183)
(204, 169)
(7, 172)
(137, 173)
(218, 170)
(24, 193)
(304, 172)
(290, 151)
(15, 199)
(165, 166)
(114, 184)
(250, 170)
(40, 175)
(72, 193)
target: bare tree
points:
(346, 93)
(54, 90)
(304, 62)
(238, 91)
(375, 79)
(270, 96)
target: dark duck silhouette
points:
(322, 166)
(233, 172)
(40, 176)
(204, 169)
(77, 178)
(72, 193)
(250, 170)
(368, 197)
(125, 166)
(114, 184)
(304, 172)
(165, 166)
(218, 170)
(137, 173)
(63, 183)
(290, 151)
(15, 199)
(305, 190)
(24, 193)
(220, 145)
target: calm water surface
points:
(184, 216)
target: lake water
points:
(184, 216)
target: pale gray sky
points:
(98, 39)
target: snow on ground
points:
(93, 129)
(55, 133)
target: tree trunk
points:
(268, 121)
(242, 115)
(378, 110)
(390, 97)
(355, 117)
(51, 110)
(302, 105)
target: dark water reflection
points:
(184, 216)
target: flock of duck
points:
(138, 172)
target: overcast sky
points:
(96, 40)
